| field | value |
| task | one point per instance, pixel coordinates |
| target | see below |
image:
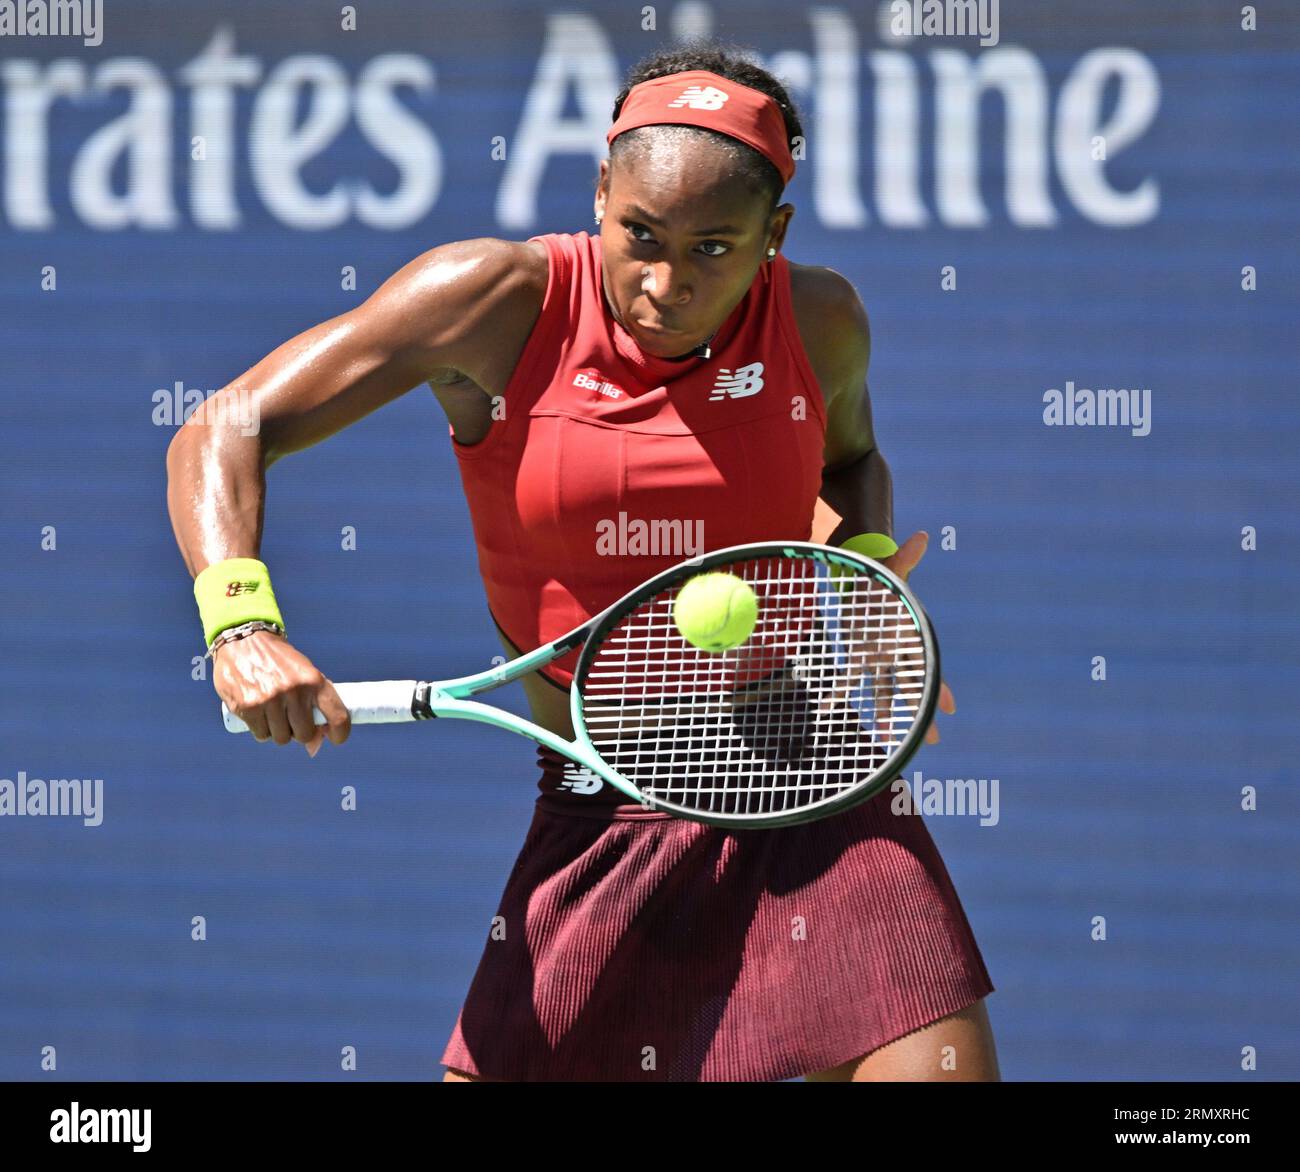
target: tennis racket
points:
(817, 711)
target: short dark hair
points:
(733, 62)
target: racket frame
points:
(827, 555)
(398, 701)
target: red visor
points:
(697, 97)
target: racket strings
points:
(823, 694)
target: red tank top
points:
(608, 465)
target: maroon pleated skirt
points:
(639, 947)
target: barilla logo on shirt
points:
(739, 383)
(700, 97)
(593, 382)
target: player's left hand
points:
(902, 563)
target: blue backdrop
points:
(1111, 189)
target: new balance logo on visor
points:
(739, 383)
(700, 97)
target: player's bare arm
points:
(857, 488)
(432, 320)
(857, 493)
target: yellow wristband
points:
(871, 545)
(237, 590)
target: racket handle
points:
(372, 702)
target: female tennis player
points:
(672, 368)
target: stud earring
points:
(598, 219)
(771, 252)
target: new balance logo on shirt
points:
(739, 383)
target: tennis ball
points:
(715, 612)
(871, 545)
(875, 546)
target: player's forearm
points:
(857, 498)
(216, 486)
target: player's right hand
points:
(271, 686)
(903, 563)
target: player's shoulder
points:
(484, 262)
(833, 322)
(826, 295)
(479, 286)
(459, 305)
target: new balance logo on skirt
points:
(739, 383)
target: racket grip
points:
(371, 702)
